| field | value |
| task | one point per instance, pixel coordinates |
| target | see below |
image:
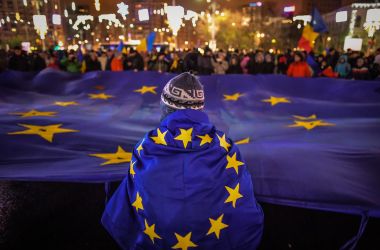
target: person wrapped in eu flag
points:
(188, 186)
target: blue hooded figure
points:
(188, 186)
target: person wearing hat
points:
(299, 68)
(188, 186)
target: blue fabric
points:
(150, 41)
(317, 22)
(333, 168)
(120, 46)
(181, 189)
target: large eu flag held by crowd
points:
(312, 143)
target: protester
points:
(299, 68)
(256, 63)
(203, 62)
(175, 200)
(220, 64)
(71, 63)
(268, 64)
(360, 71)
(18, 60)
(343, 68)
(117, 62)
(234, 66)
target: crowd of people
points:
(332, 63)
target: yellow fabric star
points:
(183, 242)
(120, 156)
(205, 139)
(305, 118)
(65, 104)
(140, 147)
(131, 169)
(160, 138)
(234, 195)
(233, 163)
(46, 132)
(276, 100)
(223, 143)
(149, 230)
(233, 97)
(216, 226)
(145, 89)
(102, 96)
(34, 112)
(185, 136)
(138, 203)
(310, 125)
(243, 141)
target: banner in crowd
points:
(311, 143)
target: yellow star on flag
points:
(138, 203)
(310, 125)
(140, 147)
(149, 230)
(160, 138)
(102, 96)
(233, 163)
(305, 118)
(234, 195)
(216, 226)
(183, 242)
(34, 112)
(233, 97)
(205, 139)
(243, 141)
(65, 104)
(185, 136)
(147, 89)
(276, 100)
(223, 143)
(46, 132)
(120, 156)
(131, 169)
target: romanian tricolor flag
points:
(311, 32)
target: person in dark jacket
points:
(360, 71)
(204, 63)
(191, 61)
(38, 61)
(135, 61)
(256, 64)
(234, 66)
(110, 56)
(268, 64)
(18, 60)
(92, 63)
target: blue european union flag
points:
(312, 143)
(188, 186)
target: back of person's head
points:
(184, 91)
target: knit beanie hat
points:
(182, 92)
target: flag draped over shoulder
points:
(187, 186)
(312, 143)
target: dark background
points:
(42, 215)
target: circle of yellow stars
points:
(217, 224)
